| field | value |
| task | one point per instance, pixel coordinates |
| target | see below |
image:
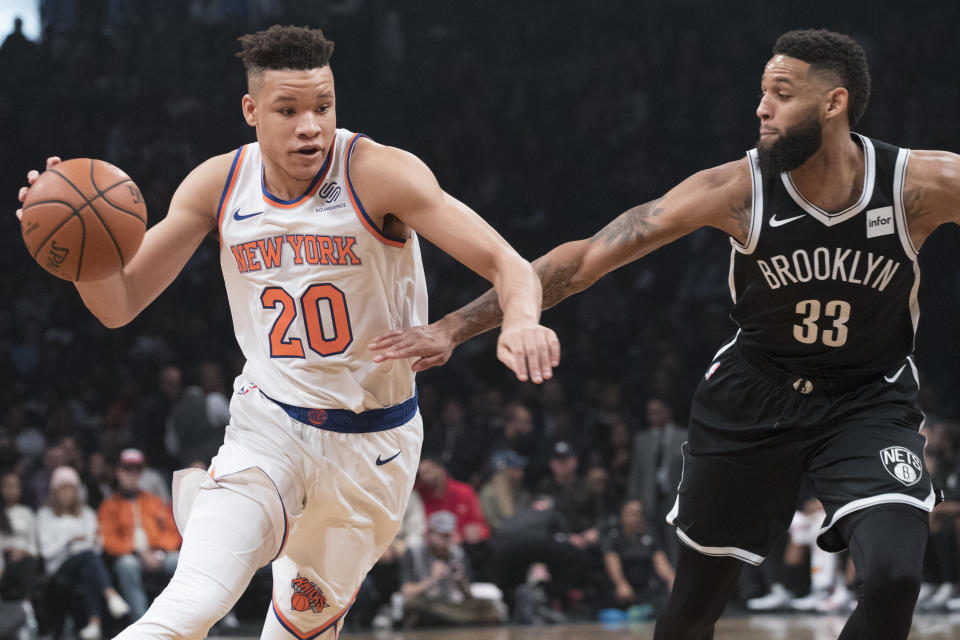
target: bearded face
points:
(791, 148)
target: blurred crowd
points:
(536, 504)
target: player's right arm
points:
(719, 197)
(166, 246)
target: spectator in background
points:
(656, 469)
(139, 534)
(18, 546)
(198, 419)
(383, 580)
(504, 492)
(436, 579)
(151, 423)
(638, 570)
(440, 492)
(37, 485)
(571, 495)
(69, 545)
(12, 616)
(98, 480)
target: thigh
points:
(736, 505)
(872, 455)
(358, 493)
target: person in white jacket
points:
(70, 546)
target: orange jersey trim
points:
(307, 635)
(228, 188)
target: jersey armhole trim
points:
(358, 207)
(899, 210)
(228, 188)
(756, 208)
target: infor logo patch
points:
(880, 222)
(902, 464)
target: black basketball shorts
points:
(755, 431)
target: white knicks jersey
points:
(311, 281)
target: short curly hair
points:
(284, 47)
(836, 53)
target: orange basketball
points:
(300, 602)
(83, 219)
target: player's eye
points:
(286, 112)
(323, 108)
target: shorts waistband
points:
(802, 383)
(346, 421)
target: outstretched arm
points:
(718, 197)
(396, 186)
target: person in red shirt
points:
(138, 531)
(440, 492)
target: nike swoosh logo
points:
(238, 217)
(380, 462)
(894, 377)
(779, 223)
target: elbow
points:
(113, 320)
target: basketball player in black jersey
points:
(825, 226)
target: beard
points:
(791, 149)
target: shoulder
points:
(731, 176)
(931, 190)
(382, 172)
(202, 188)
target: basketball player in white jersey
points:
(318, 247)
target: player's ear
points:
(837, 101)
(249, 108)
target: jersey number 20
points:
(834, 335)
(326, 343)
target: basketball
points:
(83, 219)
(300, 602)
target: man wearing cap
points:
(435, 580)
(573, 498)
(139, 533)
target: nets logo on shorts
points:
(902, 464)
(307, 595)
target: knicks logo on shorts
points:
(902, 464)
(307, 595)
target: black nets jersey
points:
(828, 294)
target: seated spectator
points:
(571, 495)
(440, 492)
(13, 618)
(540, 534)
(69, 545)
(637, 567)
(435, 580)
(18, 546)
(374, 601)
(504, 492)
(139, 534)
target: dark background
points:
(549, 118)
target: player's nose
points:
(763, 109)
(308, 125)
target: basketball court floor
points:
(767, 627)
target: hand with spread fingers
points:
(530, 350)
(431, 344)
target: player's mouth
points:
(766, 133)
(309, 152)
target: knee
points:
(128, 565)
(890, 583)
